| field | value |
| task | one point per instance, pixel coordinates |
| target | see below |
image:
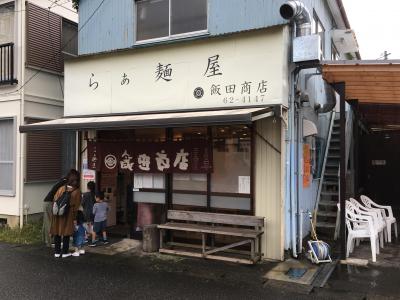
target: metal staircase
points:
(328, 194)
(328, 190)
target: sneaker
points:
(75, 254)
(66, 255)
(105, 242)
(81, 251)
(93, 244)
(57, 255)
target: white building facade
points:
(31, 90)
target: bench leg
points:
(252, 254)
(161, 238)
(203, 244)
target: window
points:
(189, 189)
(7, 155)
(7, 23)
(69, 38)
(230, 180)
(318, 28)
(168, 18)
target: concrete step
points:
(327, 203)
(325, 225)
(327, 213)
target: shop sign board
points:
(247, 69)
(193, 156)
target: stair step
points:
(327, 203)
(331, 165)
(327, 213)
(325, 193)
(331, 174)
(335, 140)
(334, 158)
(334, 148)
(325, 225)
(331, 183)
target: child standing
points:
(79, 233)
(100, 209)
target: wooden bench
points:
(248, 228)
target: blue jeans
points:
(79, 236)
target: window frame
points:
(12, 4)
(316, 21)
(335, 55)
(12, 192)
(209, 193)
(169, 37)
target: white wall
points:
(34, 194)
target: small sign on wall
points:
(89, 175)
(306, 165)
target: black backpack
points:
(50, 196)
(61, 205)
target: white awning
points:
(170, 119)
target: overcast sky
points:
(377, 26)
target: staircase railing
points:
(321, 179)
(348, 140)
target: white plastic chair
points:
(360, 227)
(387, 213)
(379, 221)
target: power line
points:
(55, 56)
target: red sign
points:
(157, 157)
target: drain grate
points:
(295, 273)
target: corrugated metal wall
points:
(112, 27)
(237, 15)
(268, 186)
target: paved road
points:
(32, 273)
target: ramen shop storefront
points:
(197, 125)
(204, 168)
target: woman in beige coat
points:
(62, 227)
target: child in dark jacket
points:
(79, 233)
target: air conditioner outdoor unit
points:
(345, 40)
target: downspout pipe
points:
(297, 11)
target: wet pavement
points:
(31, 272)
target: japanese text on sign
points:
(158, 157)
